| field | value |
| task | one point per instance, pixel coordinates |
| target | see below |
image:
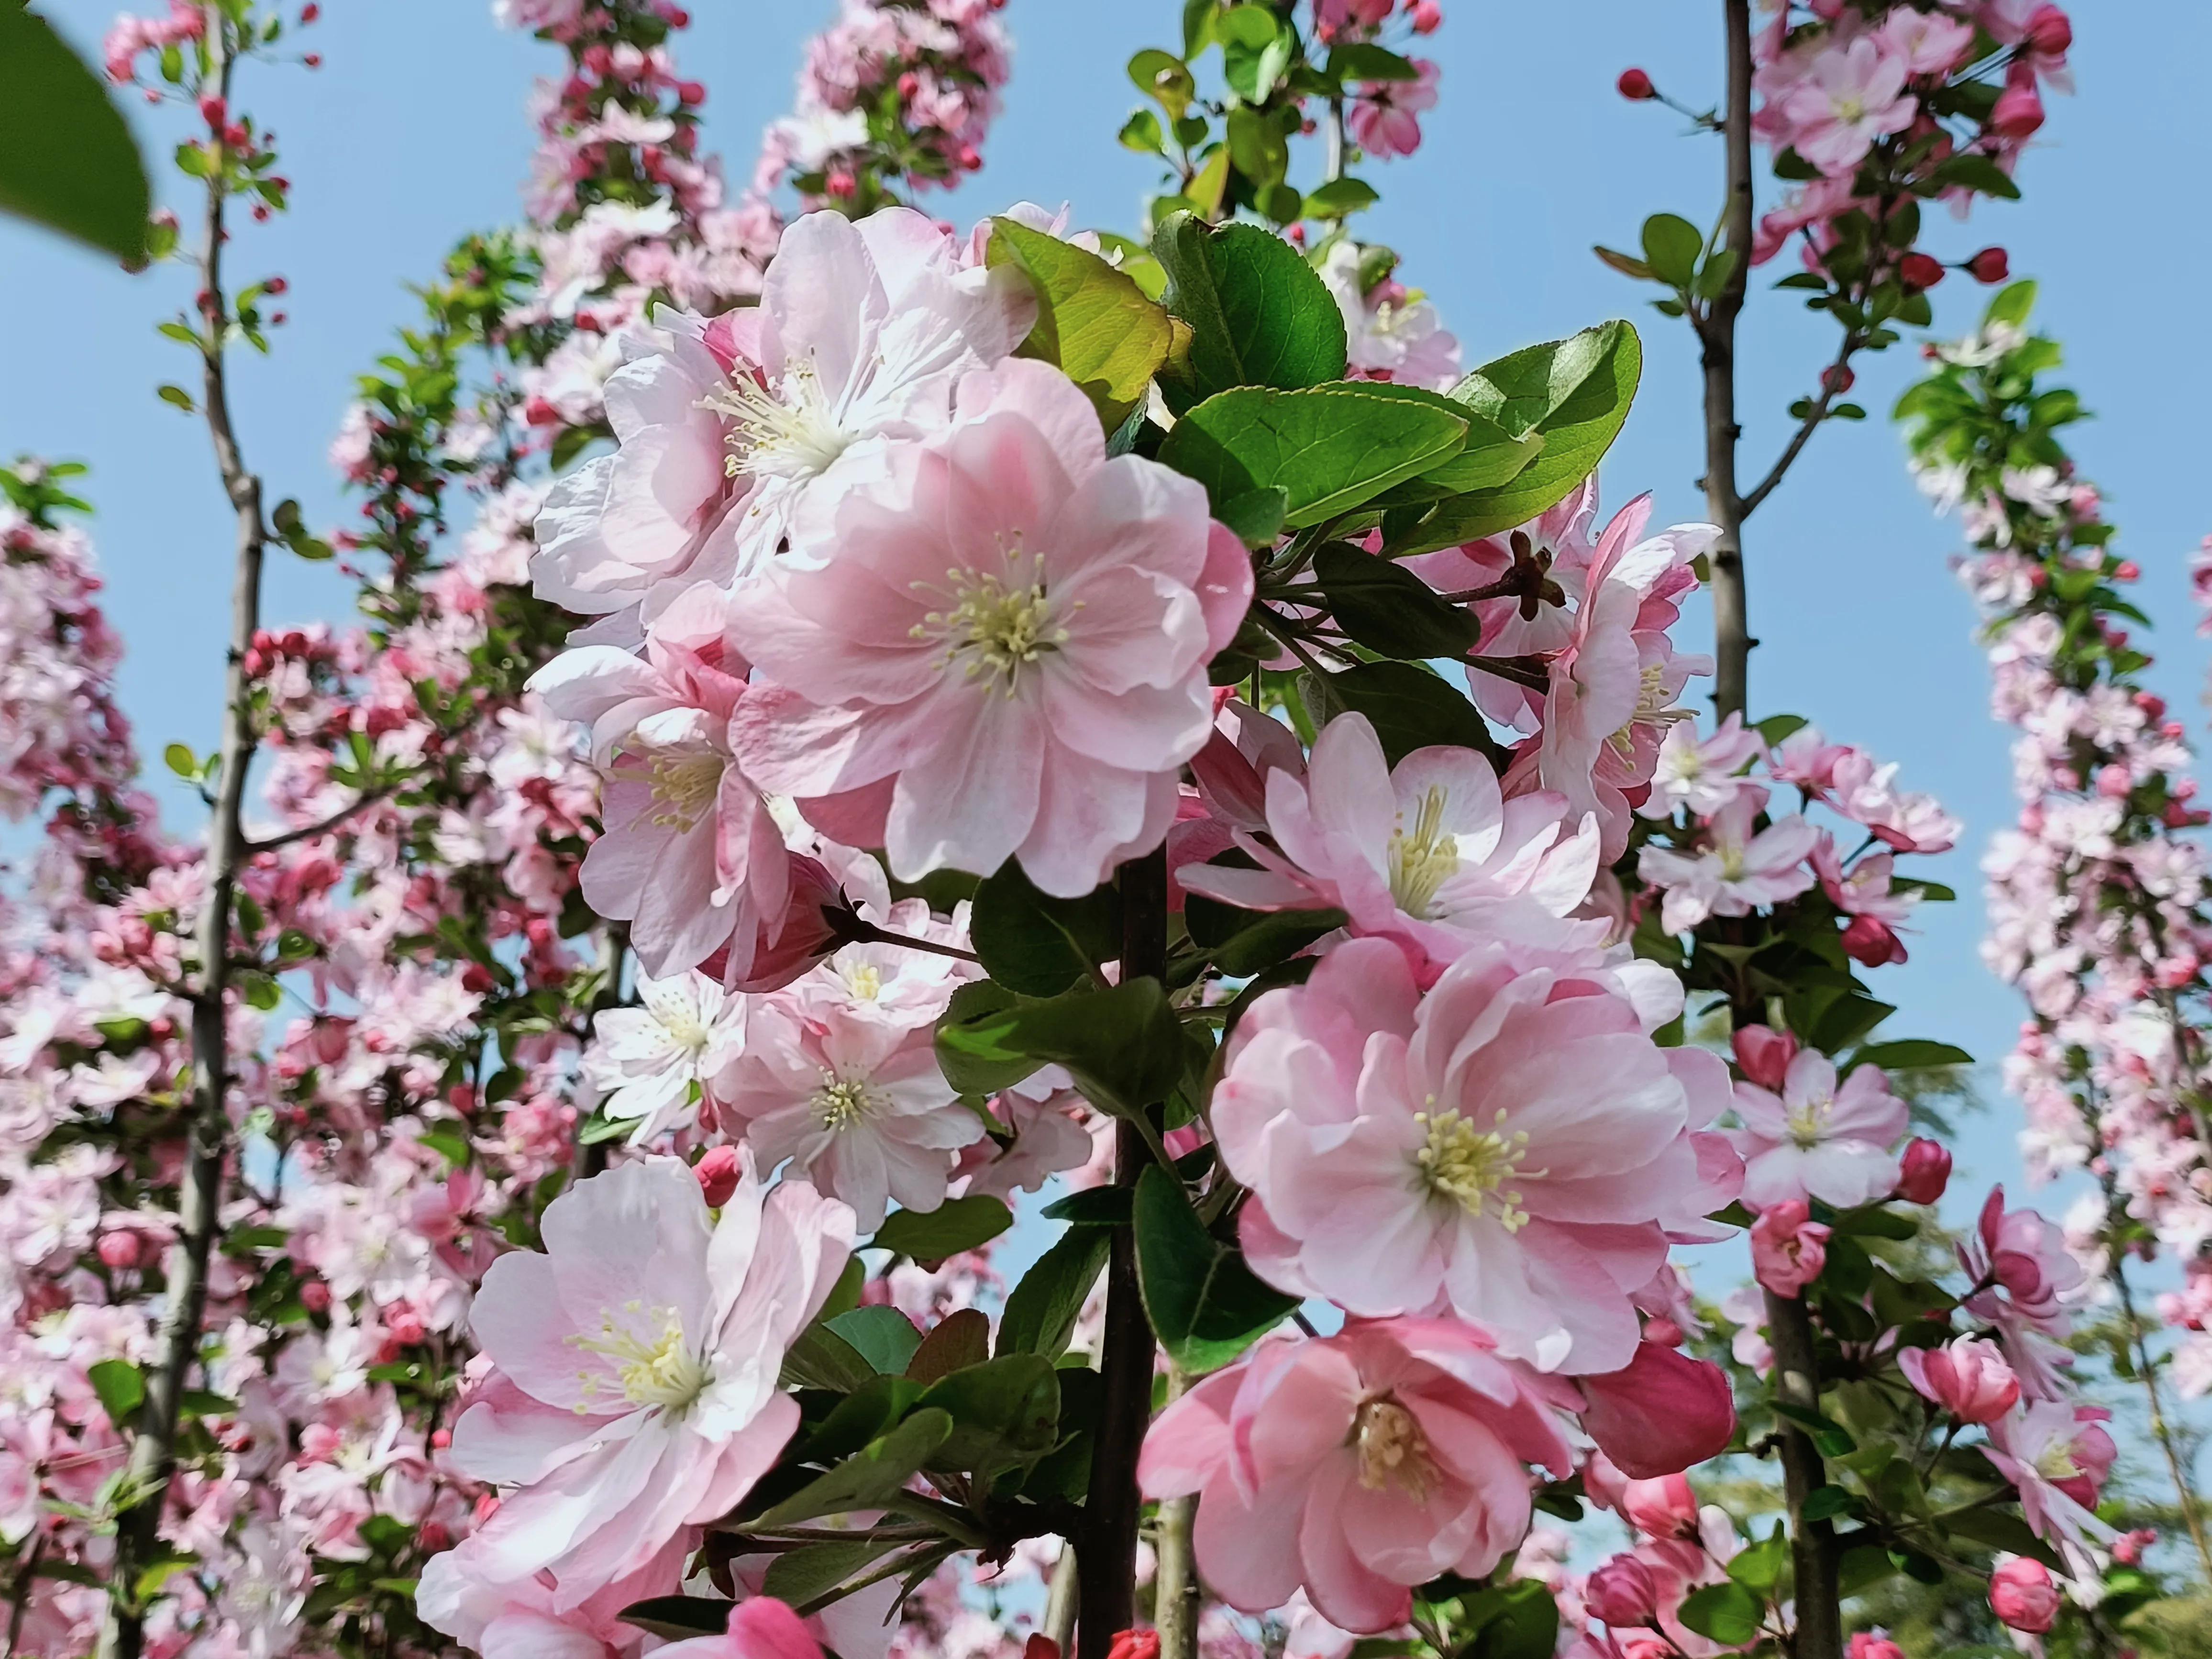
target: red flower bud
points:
(2050, 33)
(1636, 86)
(1990, 265)
(691, 92)
(118, 1250)
(1836, 378)
(718, 1173)
(1924, 1171)
(2018, 111)
(309, 12)
(315, 1296)
(1918, 270)
(214, 111)
(1426, 16)
(1134, 1644)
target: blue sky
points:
(414, 132)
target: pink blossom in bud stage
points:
(1873, 1644)
(1924, 1171)
(1763, 1053)
(2023, 1595)
(1659, 1507)
(760, 1627)
(1848, 98)
(1621, 1593)
(1992, 265)
(1512, 1147)
(650, 1062)
(1636, 86)
(1788, 1247)
(1005, 651)
(1426, 16)
(1427, 852)
(2019, 112)
(1739, 868)
(859, 1104)
(1968, 1377)
(719, 1172)
(1701, 774)
(1614, 685)
(1661, 1414)
(1919, 270)
(1356, 1466)
(633, 1394)
(1816, 1139)
(1385, 115)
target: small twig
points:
(859, 931)
(323, 826)
(1831, 386)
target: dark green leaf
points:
(957, 1225)
(1268, 940)
(1339, 196)
(1999, 1529)
(67, 159)
(1256, 146)
(1094, 1206)
(1093, 322)
(1122, 1045)
(867, 1480)
(861, 1416)
(1386, 608)
(1259, 315)
(1329, 447)
(1912, 1053)
(1257, 519)
(1042, 1311)
(885, 1337)
(810, 1573)
(1040, 945)
(1519, 1619)
(121, 1389)
(1671, 248)
(1729, 1614)
(1362, 60)
(1204, 1305)
(679, 1618)
(1408, 706)
(1005, 1410)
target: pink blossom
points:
(1925, 42)
(1968, 1377)
(2057, 1455)
(1738, 871)
(1391, 334)
(1923, 1172)
(1453, 864)
(1385, 115)
(634, 1395)
(1817, 1140)
(1848, 97)
(1512, 1147)
(2023, 1596)
(1005, 649)
(2024, 1275)
(1865, 792)
(1701, 775)
(1621, 1593)
(1661, 1414)
(651, 1061)
(761, 1627)
(1788, 1247)
(1355, 1467)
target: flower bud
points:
(1660, 1413)
(1990, 265)
(1621, 1593)
(1636, 86)
(1764, 1054)
(2022, 1595)
(1426, 16)
(118, 1250)
(1923, 1172)
(2049, 31)
(315, 1296)
(1873, 1644)
(1134, 1644)
(1918, 270)
(718, 1173)
(1968, 1378)
(1664, 1508)
(1040, 1646)
(2019, 112)
(1871, 942)
(1788, 1247)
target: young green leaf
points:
(1093, 322)
(1328, 448)
(870, 1478)
(1204, 1305)
(1042, 1311)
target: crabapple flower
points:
(633, 1393)
(1703, 774)
(1660, 1413)
(1923, 1172)
(1004, 650)
(1511, 1148)
(1392, 335)
(1866, 792)
(651, 1062)
(1739, 870)
(1788, 1247)
(1355, 1466)
(1968, 1377)
(2023, 1595)
(857, 1102)
(1385, 115)
(2056, 1454)
(2024, 1274)
(1816, 1139)
(760, 1627)
(1848, 98)
(1427, 852)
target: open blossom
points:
(1390, 334)
(1968, 1377)
(1356, 1466)
(651, 1062)
(1788, 1247)
(2024, 1275)
(1512, 1147)
(1849, 96)
(1002, 648)
(634, 1390)
(1702, 775)
(2057, 1455)
(1427, 852)
(1385, 117)
(1739, 870)
(1816, 1139)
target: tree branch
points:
(322, 826)
(1716, 334)
(1832, 384)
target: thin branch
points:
(862, 932)
(323, 826)
(1831, 386)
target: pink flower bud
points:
(1426, 16)
(433, 1536)
(406, 1327)
(1873, 1644)
(1659, 1414)
(842, 185)
(1040, 1646)
(1968, 1378)
(1788, 1247)
(315, 1296)
(2022, 1595)
(2019, 112)
(2127, 570)
(1134, 1644)
(1636, 86)
(118, 1250)
(1665, 1508)
(1764, 1054)
(2049, 31)
(718, 1173)
(1923, 1172)
(1622, 1594)
(1871, 942)
(1990, 265)
(214, 111)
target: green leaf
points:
(1999, 1529)
(1203, 1301)
(1256, 146)
(1979, 173)
(67, 158)
(176, 397)
(1408, 706)
(1258, 312)
(1264, 940)
(1626, 264)
(1255, 50)
(1490, 457)
(816, 1571)
(1671, 248)
(1361, 60)
(1257, 519)
(121, 1389)
(181, 761)
(957, 1225)
(1329, 448)
(1093, 322)
(1141, 131)
(2013, 304)
(961, 1338)
(1040, 1313)
(679, 1618)
(1123, 1045)
(863, 1415)
(1519, 1619)
(1005, 1410)
(1386, 608)
(1097, 1206)
(1912, 1053)
(867, 1480)
(1340, 197)
(1729, 1614)
(885, 1337)
(1040, 945)
(1758, 1567)
(1165, 77)
(1576, 393)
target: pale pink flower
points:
(1738, 871)
(1849, 96)
(1391, 334)
(1701, 774)
(1511, 1148)
(1968, 1377)
(857, 1103)
(1925, 42)
(1385, 115)
(1427, 852)
(1788, 1247)
(2023, 1276)
(1865, 792)
(1356, 1467)
(634, 1393)
(651, 1062)
(761, 1627)
(1817, 1140)
(2057, 1455)
(1005, 652)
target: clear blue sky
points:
(414, 132)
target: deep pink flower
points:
(1356, 1466)
(2023, 1595)
(761, 1627)
(1663, 1413)
(1004, 649)
(1512, 1147)
(1873, 1644)
(1848, 97)
(1621, 1593)
(1788, 1247)
(2025, 1276)
(1817, 1140)
(1968, 1377)
(1923, 1172)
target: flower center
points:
(1393, 1451)
(1651, 708)
(1422, 858)
(789, 430)
(2057, 1463)
(661, 1371)
(1471, 1166)
(840, 1103)
(684, 786)
(1851, 110)
(1808, 1123)
(685, 1030)
(996, 626)
(864, 982)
